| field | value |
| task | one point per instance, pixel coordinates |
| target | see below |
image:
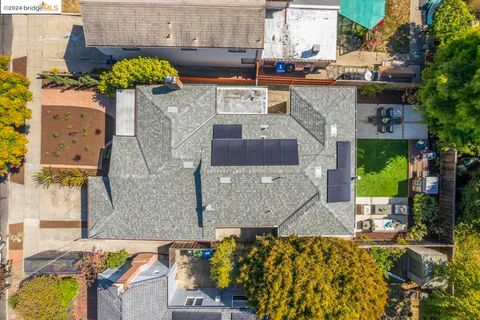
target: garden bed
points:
(74, 136)
(383, 168)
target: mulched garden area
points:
(74, 135)
(385, 97)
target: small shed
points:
(367, 13)
(421, 263)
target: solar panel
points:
(238, 152)
(289, 152)
(339, 193)
(185, 315)
(254, 152)
(344, 154)
(227, 131)
(220, 152)
(273, 152)
(338, 177)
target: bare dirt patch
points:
(74, 135)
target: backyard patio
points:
(408, 124)
(382, 168)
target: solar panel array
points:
(185, 315)
(339, 180)
(254, 152)
(227, 131)
(229, 149)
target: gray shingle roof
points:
(167, 201)
(165, 23)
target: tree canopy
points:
(450, 92)
(451, 18)
(222, 264)
(312, 278)
(464, 272)
(470, 205)
(45, 298)
(136, 71)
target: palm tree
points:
(45, 177)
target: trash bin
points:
(280, 67)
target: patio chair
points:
(389, 112)
(380, 129)
(372, 119)
(380, 112)
(389, 128)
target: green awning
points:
(368, 13)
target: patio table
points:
(384, 209)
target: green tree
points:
(116, 259)
(222, 264)
(136, 71)
(464, 272)
(45, 298)
(425, 215)
(312, 278)
(13, 146)
(450, 92)
(470, 205)
(450, 19)
(386, 257)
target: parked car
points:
(468, 163)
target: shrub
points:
(13, 146)
(4, 62)
(13, 301)
(44, 178)
(55, 134)
(372, 89)
(409, 96)
(116, 259)
(312, 278)
(450, 19)
(5, 270)
(45, 298)
(136, 71)
(87, 81)
(62, 145)
(425, 215)
(92, 263)
(67, 116)
(222, 264)
(74, 177)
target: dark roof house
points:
(194, 169)
(147, 289)
(166, 23)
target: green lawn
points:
(383, 168)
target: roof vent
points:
(315, 49)
(263, 127)
(169, 36)
(266, 180)
(209, 207)
(188, 165)
(318, 172)
(333, 130)
(225, 180)
(172, 109)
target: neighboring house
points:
(224, 33)
(147, 289)
(206, 162)
(221, 33)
